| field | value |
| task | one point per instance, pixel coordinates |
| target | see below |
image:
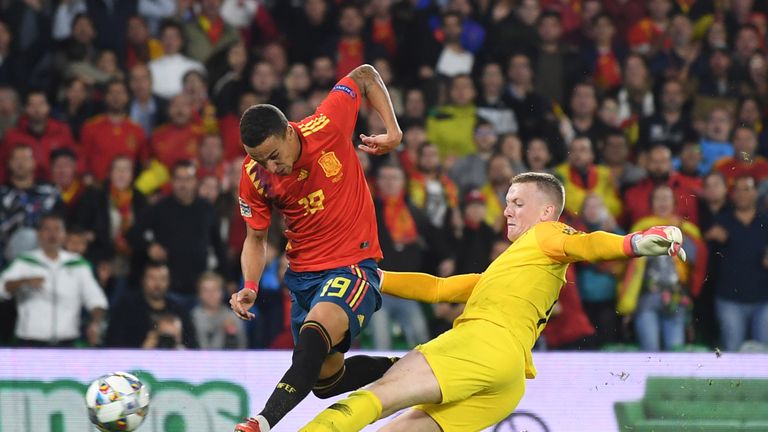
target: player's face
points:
(277, 154)
(526, 206)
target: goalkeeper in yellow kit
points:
(473, 375)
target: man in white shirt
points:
(51, 286)
(169, 70)
(454, 59)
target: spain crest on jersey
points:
(330, 164)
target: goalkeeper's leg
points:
(410, 382)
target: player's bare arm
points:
(252, 261)
(372, 87)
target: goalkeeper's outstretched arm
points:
(565, 244)
(426, 288)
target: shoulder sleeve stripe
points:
(319, 126)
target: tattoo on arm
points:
(364, 76)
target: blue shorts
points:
(354, 288)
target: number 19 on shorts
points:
(336, 287)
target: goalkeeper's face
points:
(526, 206)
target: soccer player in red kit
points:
(310, 171)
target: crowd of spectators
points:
(120, 149)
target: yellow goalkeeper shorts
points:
(480, 367)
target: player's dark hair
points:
(260, 122)
(546, 183)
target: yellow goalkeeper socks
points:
(352, 414)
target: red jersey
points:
(732, 168)
(103, 140)
(171, 143)
(637, 200)
(229, 128)
(56, 135)
(325, 201)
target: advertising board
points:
(206, 391)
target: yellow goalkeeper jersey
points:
(520, 287)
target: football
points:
(117, 402)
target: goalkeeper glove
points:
(658, 240)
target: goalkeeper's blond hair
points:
(550, 185)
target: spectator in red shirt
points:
(229, 127)
(602, 59)
(179, 139)
(210, 158)
(637, 199)
(647, 36)
(351, 49)
(39, 131)
(113, 134)
(745, 162)
(690, 158)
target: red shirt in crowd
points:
(350, 54)
(325, 200)
(55, 135)
(637, 200)
(171, 143)
(229, 128)
(102, 140)
(646, 35)
(570, 324)
(733, 168)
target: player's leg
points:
(504, 374)
(414, 420)
(341, 304)
(475, 413)
(409, 382)
(325, 326)
(354, 373)
(306, 340)
(359, 298)
(471, 358)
